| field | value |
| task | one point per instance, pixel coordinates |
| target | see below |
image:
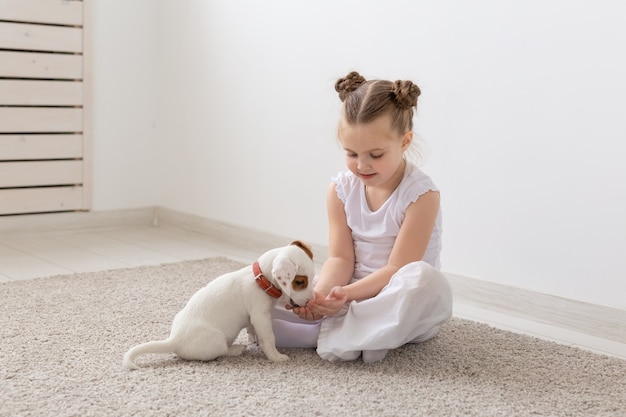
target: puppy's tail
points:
(158, 346)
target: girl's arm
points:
(410, 246)
(339, 267)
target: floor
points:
(53, 253)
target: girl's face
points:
(374, 151)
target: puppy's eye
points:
(300, 282)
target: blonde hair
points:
(364, 101)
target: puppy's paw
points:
(283, 269)
(278, 357)
(236, 350)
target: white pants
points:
(410, 309)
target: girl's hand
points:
(329, 305)
(305, 313)
(322, 306)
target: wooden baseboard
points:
(243, 237)
(573, 315)
(36, 224)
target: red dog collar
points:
(264, 283)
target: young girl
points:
(380, 287)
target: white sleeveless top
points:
(374, 232)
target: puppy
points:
(213, 317)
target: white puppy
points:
(213, 317)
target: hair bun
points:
(348, 84)
(406, 93)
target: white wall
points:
(126, 87)
(522, 110)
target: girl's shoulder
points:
(346, 183)
(414, 184)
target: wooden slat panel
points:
(40, 38)
(39, 173)
(37, 200)
(33, 119)
(41, 93)
(40, 65)
(60, 12)
(23, 147)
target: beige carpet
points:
(62, 341)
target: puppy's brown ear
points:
(306, 248)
